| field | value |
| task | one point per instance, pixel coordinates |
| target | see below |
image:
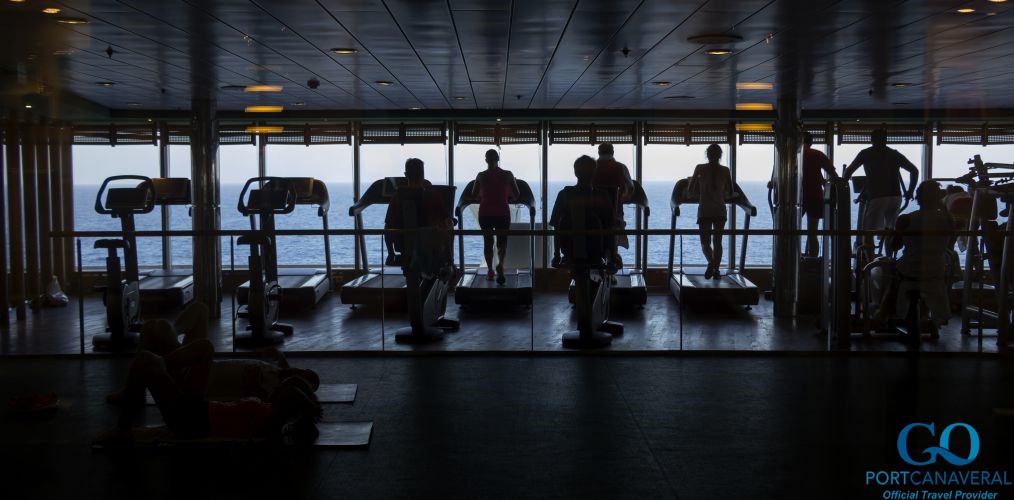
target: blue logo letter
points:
(944, 449)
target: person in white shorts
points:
(883, 194)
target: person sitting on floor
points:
(291, 409)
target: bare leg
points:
(716, 238)
(706, 244)
(487, 248)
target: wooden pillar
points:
(42, 180)
(31, 214)
(15, 228)
(66, 141)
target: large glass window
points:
(754, 165)
(236, 164)
(332, 164)
(522, 160)
(560, 173)
(662, 166)
(378, 161)
(182, 248)
(845, 153)
(92, 165)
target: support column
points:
(640, 250)
(15, 228)
(206, 214)
(545, 190)
(354, 128)
(787, 164)
(56, 205)
(45, 206)
(67, 190)
(163, 171)
(5, 310)
(31, 214)
(733, 142)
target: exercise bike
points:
(122, 293)
(427, 267)
(276, 195)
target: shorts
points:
(495, 222)
(881, 213)
(718, 222)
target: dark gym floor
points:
(661, 325)
(522, 425)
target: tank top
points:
(494, 193)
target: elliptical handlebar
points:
(281, 183)
(146, 183)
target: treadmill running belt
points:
(700, 281)
(293, 281)
(389, 281)
(159, 282)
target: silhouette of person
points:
(812, 196)
(599, 209)
(883, 181)
(712, 186)
(432, 214)
(614, 176)
(494, 188)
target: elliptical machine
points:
(426, 283)
(122, 294)
(276, 195)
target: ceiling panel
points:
(511, 54)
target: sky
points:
(333, 163)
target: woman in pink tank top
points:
(494, 188)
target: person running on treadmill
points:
(291, 409)
(927, 260)
(494, 188)
(712, 186)
(814, 164)
(432, 215)
(598, 205)
(612, 175)
(883, 181)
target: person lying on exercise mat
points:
(432, 218)
(598, 206)
(927, 262)
(229, 379)
(179, 381)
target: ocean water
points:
(309, 250)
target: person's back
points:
(814, 163)
(882, 166)
(612, 176)
(713, 189)
(594, 206)
(495, 186)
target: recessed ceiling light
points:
(17, 1)
(901, 85)
(264, 129)
(344, 50)
(262, 88)
(28, 106)
(105, 84)
(263, 109)
(998, 1)
(414, 108)
(754, 86)
(661, 84)
(718, 52)
(65, 52)
(899, 103)
(133, 104)
(715, 39)
(72, 20)
(754, 106)
(966, 10)
(384, 83)
(754, 127)
(299, 103)
(680, 97)
(50, 10)
(459, 98)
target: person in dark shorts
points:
(814, 163)
(711, 185)
(494, 188)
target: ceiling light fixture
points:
(754, 106)
(262, 88)
(264, 129)
(679, 97)
(17, 1)
(105, 84)
(718, 52)
(344, 50)
(65, 52)
(72, 20)
(263, 109)
(997, 1)
(133, 104)
(50, 10)
(715, 39)
(754, 86)
(966, 10)
(299, 103)
(901, 85)
(384, 83)
(414, 108)
(661, 84)
(754, 127)
(28, 106)
(459, 98)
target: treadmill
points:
(386, 284)
(733, 288)
(302, 288)
(168, 288)
(630, 290)
(473, 287)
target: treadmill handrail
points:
(290, 199)
(149, 200)
(679, 197)
(317, 195)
